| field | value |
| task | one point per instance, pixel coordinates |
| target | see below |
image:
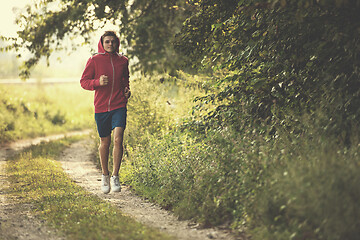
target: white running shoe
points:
(105, 183)
(115, 184)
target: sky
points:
(7, 16)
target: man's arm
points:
(87, 80)
(127, 91)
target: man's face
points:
(109, 43)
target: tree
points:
(145, 27)
(282, 57)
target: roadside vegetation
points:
(36, 178)
(32, 110)
(280, 185)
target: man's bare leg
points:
(118, 149)
(104, 153)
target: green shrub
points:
(287, 186)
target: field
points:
(32, 110)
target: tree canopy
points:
(145, 27)
(281, 57)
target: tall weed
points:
(312, 194)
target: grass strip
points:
(37, 178)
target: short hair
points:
(110, 33)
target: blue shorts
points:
(107, 121)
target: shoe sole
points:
(106, 192)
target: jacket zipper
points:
(113, 80)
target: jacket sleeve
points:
(127, 75)
(87, 80)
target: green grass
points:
(312, 192)
(34, 110)
(37, 178)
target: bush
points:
(287, 186)
(275, 184)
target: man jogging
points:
(107, 73)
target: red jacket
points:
(116, 67)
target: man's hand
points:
(104, 80)
(127, 92)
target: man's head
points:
(110, 41)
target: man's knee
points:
(118, 140)
(105, 142)
(118, 136)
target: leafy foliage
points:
(294, 186)
(146, 28)
(281, 57)
(280, 140)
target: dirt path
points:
(76, 161)
(16, 222)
